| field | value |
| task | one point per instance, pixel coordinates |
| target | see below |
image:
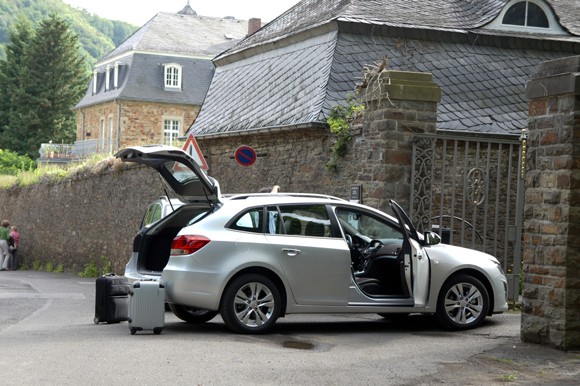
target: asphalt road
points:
(47, 337)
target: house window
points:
(526, 14)
(173, 76)
(529, 16)
(171, 129)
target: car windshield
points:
(180, 172)
(360, 223)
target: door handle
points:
(291, 252)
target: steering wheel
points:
(369, 252)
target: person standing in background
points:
(4, 249)
(14, 247)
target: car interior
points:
(377, 257)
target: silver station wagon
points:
(254, 258)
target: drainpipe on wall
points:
(118, 123)
(82, 124)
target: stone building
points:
(149, 89)
(275, 89)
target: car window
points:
(249, 221)
(358, 222)
(304, 220)
(153, 214)
(180, 172)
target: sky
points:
(138, 12)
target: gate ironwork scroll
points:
(471, 192)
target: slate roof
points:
(308, 70)
(141, 79)
(451, 15)
(182, 34)
(182, 38)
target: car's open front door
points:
(416, 262)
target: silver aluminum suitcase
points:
(147, 306)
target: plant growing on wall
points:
(341, 117)
(339, 121)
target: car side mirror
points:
(431, 238)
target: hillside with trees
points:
(97, 36)
(43, 76)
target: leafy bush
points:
(91, 270)
(12, 163)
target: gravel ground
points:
(513, 363)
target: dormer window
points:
(529, 16)
(172, 76)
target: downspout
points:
(118, 124)
(83, 130)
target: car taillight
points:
(188, 244)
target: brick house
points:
(149, 89)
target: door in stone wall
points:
(470, 191)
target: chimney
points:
(254, 24)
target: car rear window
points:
(304, 220)
(249, 221)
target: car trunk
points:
(153, 244)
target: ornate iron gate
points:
(471, 191)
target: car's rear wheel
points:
(463, 303)
(192, 315)
(251, 304)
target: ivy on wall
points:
(339, 121)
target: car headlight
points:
(499, 266)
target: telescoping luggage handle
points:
(137, 284)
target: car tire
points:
(192, 315)
(251, 304)
(463, 303)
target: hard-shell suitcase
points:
(147, 306)
(111, 299)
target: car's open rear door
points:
(178, 169)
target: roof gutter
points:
(264, 130)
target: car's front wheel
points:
(192, 315)
(463, 303)
(251, 304)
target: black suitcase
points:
(112, 299)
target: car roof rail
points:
(244, 196)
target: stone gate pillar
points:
(399, 105)
(551, 282)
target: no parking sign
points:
(245, 155)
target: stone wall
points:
(92, 217)
(551, 296)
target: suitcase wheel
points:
(96, 320)
(157, 330)
(133, 331)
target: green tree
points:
(12, 71)
(52, 78)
